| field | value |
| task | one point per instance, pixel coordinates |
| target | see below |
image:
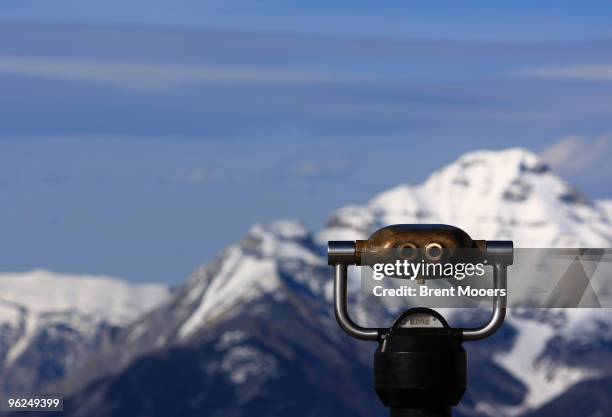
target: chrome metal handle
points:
(342, 253)
(499, 307)
(341, 307)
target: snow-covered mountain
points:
(49, 322)
(253, 332)
(508, 195)
(493, 195)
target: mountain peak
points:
(283, 239)
(248, 271)
(282, 229)
(508, 194)
(519, 158)
(494, 172)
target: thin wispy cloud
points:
(575, 155)
(202, 176)
(601, 72)
(321, 170)
(154, 76)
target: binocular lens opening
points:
(433, 251)
(409, 251)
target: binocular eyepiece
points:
(426, 242)
(420, 366)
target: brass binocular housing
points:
(418, 242)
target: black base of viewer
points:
(420, 371)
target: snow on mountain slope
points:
(249, 270)
(606, 207)
(527, 362)
(272, 262)
(40, 305)
(103, 297)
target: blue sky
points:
(138, 138)
(530, 21)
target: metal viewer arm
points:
(501, 253)
(341, 310)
